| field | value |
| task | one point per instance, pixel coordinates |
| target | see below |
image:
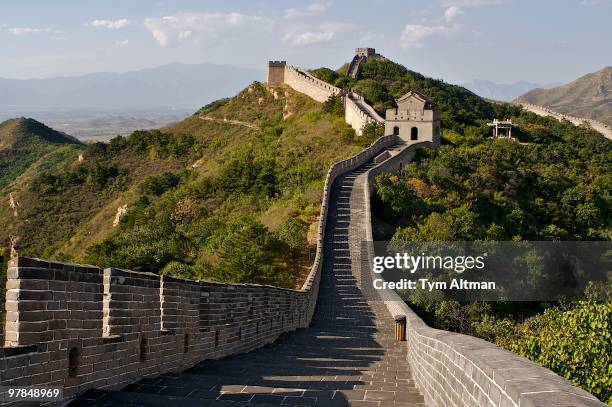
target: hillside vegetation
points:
(229, 193)
(23, 142)
(382, 81)
(589, 96)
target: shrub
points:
(102, 174)
(370, 132)
(293, 233)
(247, 253)
(325, 74)
(574, 342)
(158, 184)
(334, 105)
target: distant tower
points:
(414, 120)
(361, 55)
(365, 52)
(276, 72)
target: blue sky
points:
(456, 40)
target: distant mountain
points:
(173, 85)
(589, 96)
(502, 91)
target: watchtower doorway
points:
(414, 133)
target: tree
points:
(293, 233)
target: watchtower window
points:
(396, 131)
(414, 133)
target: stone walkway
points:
(347, 357)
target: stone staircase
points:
(355, 66)
(348, 356)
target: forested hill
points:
(25, 141)
(244, 175)
(382, 81)
(229, 193)
(555, 184)
(22, 132)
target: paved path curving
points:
(346, 357)
(230, 121)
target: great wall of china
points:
(357, 112)
(598, 126)
(83, 328)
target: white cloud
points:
(452, 12)
(113, 24)
(414, 34)
(309, 37)
(310, 10)
(200, 26)
(28, 30)
(122, 43)
(593, 2)
(469, 3)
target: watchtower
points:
(276, 72)
(365, 52)
(414, 119)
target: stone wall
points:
(354, 116)
(121, 325)
(455, 370)
(598, 126)
(81, 327)
(357, 111)
(309, 85)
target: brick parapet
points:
(124, 325)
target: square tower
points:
(365, 52)
(276, 72)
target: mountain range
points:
(589, 96)
(504, 92)
(173, 85)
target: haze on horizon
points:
(457, 40)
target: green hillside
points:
(382, 81)
(241, 177)
(24, 141)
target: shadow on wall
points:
(319, 365)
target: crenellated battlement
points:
(81, 327)
(306, 83)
